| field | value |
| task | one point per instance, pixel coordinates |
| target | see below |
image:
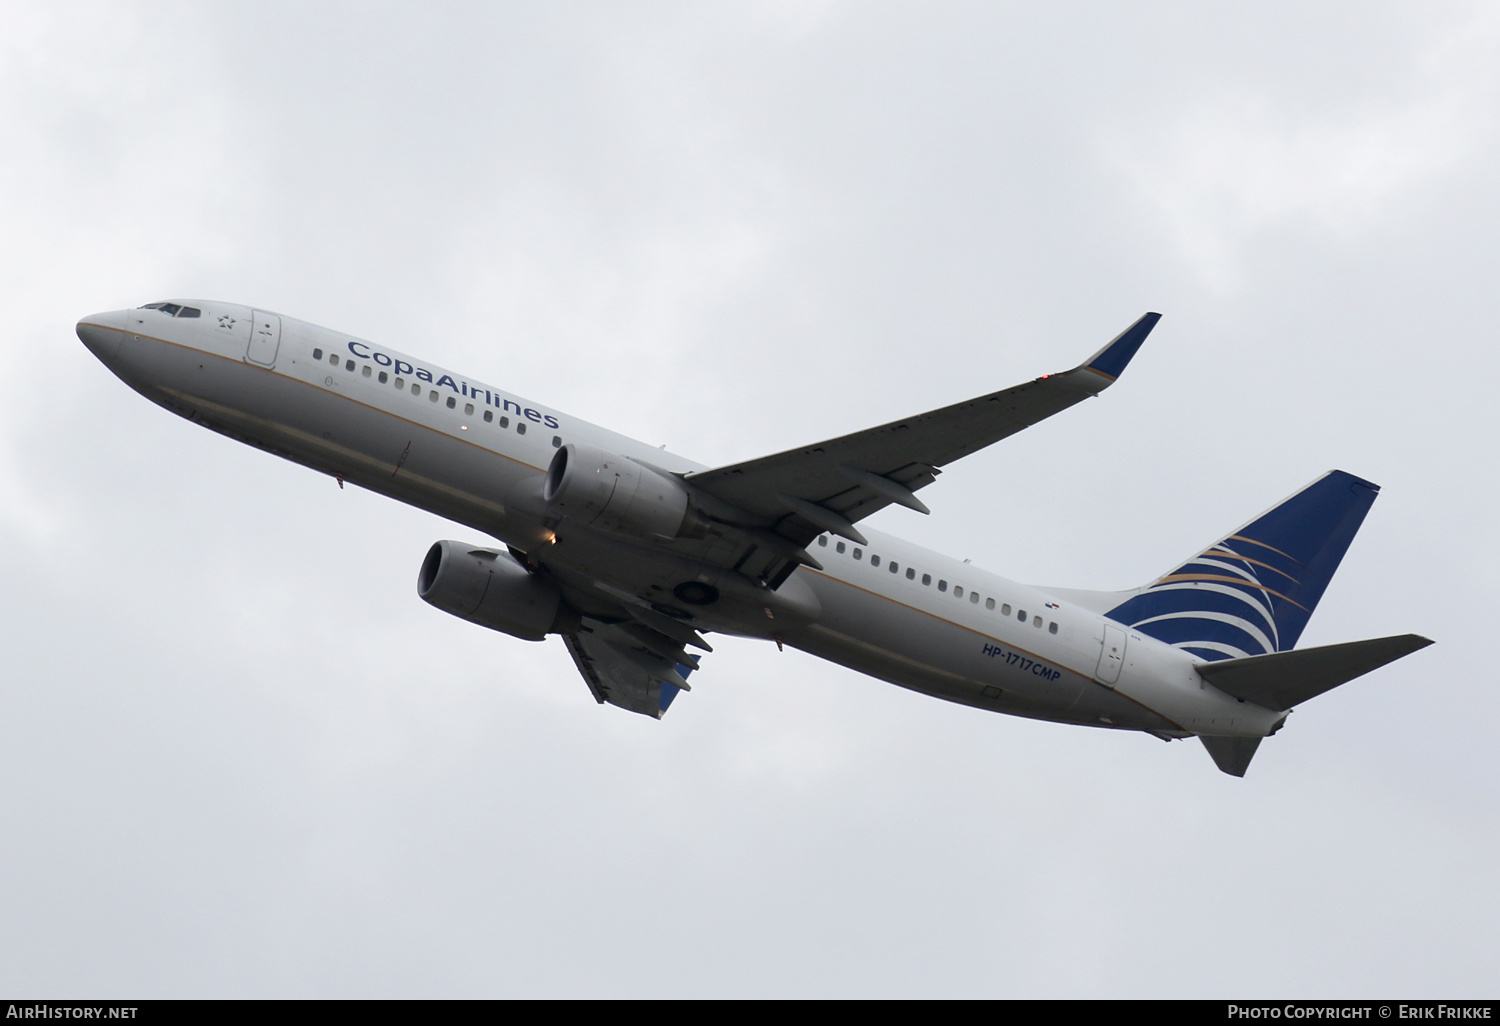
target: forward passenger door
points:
(265, 338)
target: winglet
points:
(1113, 358)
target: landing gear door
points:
(1112, 655)
(265, 338)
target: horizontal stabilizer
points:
(1280, 680)
(1231, 754)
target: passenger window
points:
(942, 585)
(520, 427)
(452, 402)
(416, 389)
(839, 548)
(1005, 609)
(468, 409)
(317, 354)
(1052, 627)
(400, 384)
(874, 560)
(384, 377)
(432, 397)
(1021, 616)
(556, 442)
(365, 370)
(1036, 622)
(489, 415)
(911, 575)
(894, 566)
(958, 591)
(926, 580)
(989, 603)
(505, 422)
(823, 540)
(333, 358)
(858, 553)
(974, 596)
(348, 365)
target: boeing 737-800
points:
(633, 554)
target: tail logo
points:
(1253, 592)
(1220, 604)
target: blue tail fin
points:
(1253, 592)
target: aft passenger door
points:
(1111, 655)
(265, 338)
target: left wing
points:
(630, 665)
(832, 485)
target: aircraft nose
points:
(101, 333)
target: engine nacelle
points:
(606, 490)
(491, 589)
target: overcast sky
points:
(242, 758)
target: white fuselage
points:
(889, 609)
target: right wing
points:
(829, 486)
(630, 665)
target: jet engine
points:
(606, 490)
(491, 589)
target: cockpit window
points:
(174, 310)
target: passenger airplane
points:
(632, 554)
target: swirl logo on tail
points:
(1253, 591)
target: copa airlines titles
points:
(399, 367)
